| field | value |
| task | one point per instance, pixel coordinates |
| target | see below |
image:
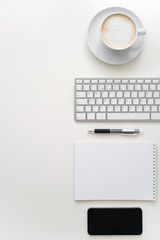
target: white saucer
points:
(101, 51)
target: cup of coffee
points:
(119, 31)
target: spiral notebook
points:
(115, 171)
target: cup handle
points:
(141, 31)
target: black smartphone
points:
(115, 221)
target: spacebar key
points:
(128, 116)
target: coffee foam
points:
(118, 31)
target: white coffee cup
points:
(119, 31)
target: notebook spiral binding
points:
(154, 171)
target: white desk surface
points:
(42, 49)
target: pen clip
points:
(133, 132)
(130, 134)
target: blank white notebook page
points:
(115, 171)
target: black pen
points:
(121, 131)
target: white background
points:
(42, 49)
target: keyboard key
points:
(102, 108)
(95, 108)
(157, 101)
(114, 101)
(145, 87)
(131, 87)
(86, 80)
(152, 87)
(93, 87)
(102, 81)
(155, 116)
(110, 109)
(142, 101)
(100, 116)
(129, 116)
(135, 101)
(132, 108)
(138, 87)
(116, 87)
(146, 108)
(147, 81)
(104, 94)
(154, 108)
(94, 81)
(79, 108)
(108, 87)
(80, 116)
(117, 81)
(81, 94)
(124, 108)
(111, 94)
(117, 108)
(139, 108)
(158, 87)
(119, 94)
(123, 87)
(150, 101)
(86, 87)
(79, 87)
(99, 101)
(120, 101)
(109, 81)
(90, 116)
(81, 101)
(148, 94)
(100, 87)
(128, 101)
(155, 81)
(91, 101)
(134, 94)
(97, 94)
(106, 101)
(126, 94)
(88, 108)
(140, 81)
(155, 94)
(124, 80)
(132, 81)
(78, 81)
(141, 94)
(89, 94)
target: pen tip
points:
(90, 131)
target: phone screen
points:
(114, 221)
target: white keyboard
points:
(109, 99)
